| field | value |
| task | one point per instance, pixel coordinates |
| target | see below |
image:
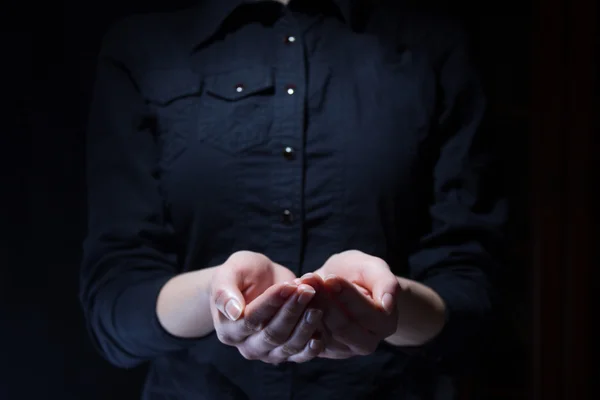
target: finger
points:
(230, 332)
(363, 291)
(260, 311)
(226, 294)
(312, 279)
(333, 349)
(345, 330)
(311, 350)
(301, 335)
(278, 330)
(337, 351)
(321, 299)
(257, 313)
(381, 282)
(361, 308)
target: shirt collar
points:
(212, 13)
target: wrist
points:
(182, 306)
(421, 314)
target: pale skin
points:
(344, 309)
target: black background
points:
(48, 68)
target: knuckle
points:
(290, 350)
(251, 324)
(248, 354)
(273, 337)
(305, 332)
(290, 312)
(225, 338)
(379, 263)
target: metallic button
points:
(291, 89)
(288, 153)
(290, 39)
(239, 87)
(287, 216)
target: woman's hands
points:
(361, 309)
(256, 307)
(342, 310)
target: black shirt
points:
(297, 132)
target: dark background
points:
(538, 67)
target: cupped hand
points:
(361, 309)
(257, 308)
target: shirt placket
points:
(288, 144)
(286, 176)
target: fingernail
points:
(287, 290)
(313, 316)
(387, 302)
(297, 281)
(314, 344)
(233, 309)
(307, 275)
(306, 294)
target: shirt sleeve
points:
(458, 256)
(129, 249)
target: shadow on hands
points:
(276, 325)
(354, 321)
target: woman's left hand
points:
(360, 306)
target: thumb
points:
(383, 285)
(225, 292)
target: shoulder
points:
(424, 25)
(147, 40)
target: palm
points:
(256, 281)
(349, 272)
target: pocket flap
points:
(240, 83)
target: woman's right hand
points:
(257, 308)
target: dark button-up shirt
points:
(297, 132)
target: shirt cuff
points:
(454, 347)
(142, 322)
(128, 331)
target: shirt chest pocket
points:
(230, 111)
(235, 111)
